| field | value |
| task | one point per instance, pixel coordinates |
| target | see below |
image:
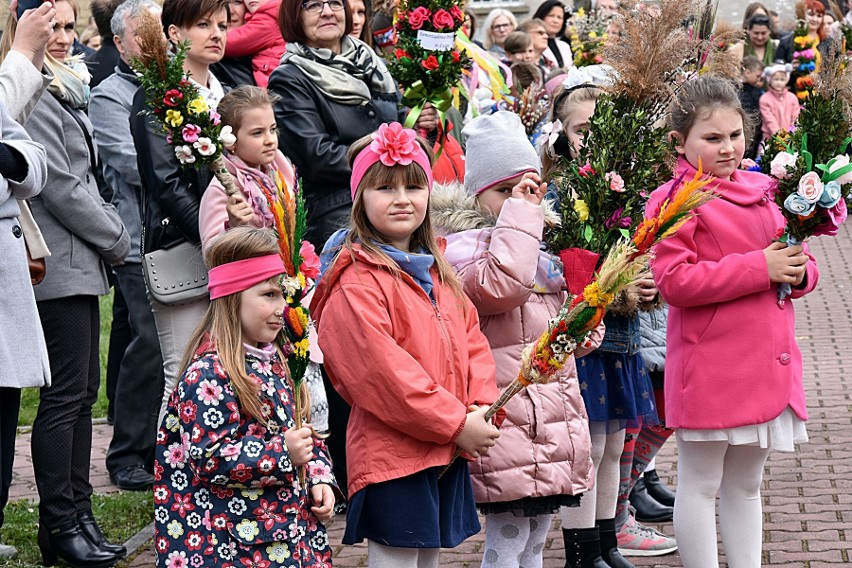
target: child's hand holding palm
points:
(786, 263)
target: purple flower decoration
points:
(616, 220)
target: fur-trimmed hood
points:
(454, 211)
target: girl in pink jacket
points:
(402, 346)
(733, 369)
(542, 460)
(779, 108)
(259, 37)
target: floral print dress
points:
(226, 493)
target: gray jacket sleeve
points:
(111, 122)
(14, 136)
(21, 85)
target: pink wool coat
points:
(544, 447)
(732, 357)
(779, 111)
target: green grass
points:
(29, 397)
(120, 515)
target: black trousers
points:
(139, 388)
(338, 422)
(10, 405)
(62, 430)
(119, 339)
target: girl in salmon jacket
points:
(402, 346)
(733, 369)
(542, 460)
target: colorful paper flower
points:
(831, 194)
(173, 98)
(205, 146)
(587, 170)
(430, 63)
(310, 261)
(840, 161)
(582, 209)
(174, 118)
(810, 187)
(190, 133)
(798, 205)
(443, 20)
(197, 106)
(781, 163)
(616, 182)
(395, 144)
(226, 136)
(418, 16)
(184, 154)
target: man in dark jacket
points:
(102, 63)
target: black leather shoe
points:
(657, 489)
(132, 478)
(647, 509)
(90, 528)
(70, 544)
(609, 545)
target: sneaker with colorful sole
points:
(638, 540)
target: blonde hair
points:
(565, 101)
(363, 232)
(235, 103)
(222, 319)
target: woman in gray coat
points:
(83, 233)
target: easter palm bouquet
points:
(626, 153)
(624, 265)
(192, 128)
(811, 166)
(587, 35)
(426, 61)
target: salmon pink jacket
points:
(261, 38)
(544, 447)
(732, 357)
(408, 367)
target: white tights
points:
(514, 542)
(599, 502)
(735, 472)
(381, 556)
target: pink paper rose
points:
(442, 20)
(810, 187)
(586, 170)
(395, 144)
(457, 13)
(190, 133)
(616, 182)
(781, 163)
(418, 16)
(836, 216)
(310, 261)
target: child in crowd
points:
(750, 93)
(519, 48)
(779, 108)
(495, 222)
(402, 346)
(228, 455)
(733, 368)
(257, 166)
(617, 392)
(260, 38)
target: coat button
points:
(764, 200)
(17, 232)
(784, 358)
(88, 179)
(371, 114)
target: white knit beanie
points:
(497, 149)
(777, 67)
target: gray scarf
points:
(71, 81)
(348, 77)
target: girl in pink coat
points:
(542, 460)
(779, 108)
(733, 369)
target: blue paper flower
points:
(830, 195)
(798, 205)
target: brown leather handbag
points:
(36, 247)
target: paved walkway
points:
(807, 495)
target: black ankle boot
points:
(583, 548)
(90, 528)
(609, 545)
(648, 510)
(70, 544)
(657, 489)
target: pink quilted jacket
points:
(544, 445)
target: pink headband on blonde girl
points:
(392, 145)
(234, 277)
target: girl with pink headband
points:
(402, 346)
(228, 455)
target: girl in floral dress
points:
(227, 490)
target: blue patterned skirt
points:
(617, 389)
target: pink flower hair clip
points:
(394, 144)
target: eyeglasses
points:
(316, 6)
(500, 26)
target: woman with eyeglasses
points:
(498, 25)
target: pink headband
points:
(392, 145)
(234, 277)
